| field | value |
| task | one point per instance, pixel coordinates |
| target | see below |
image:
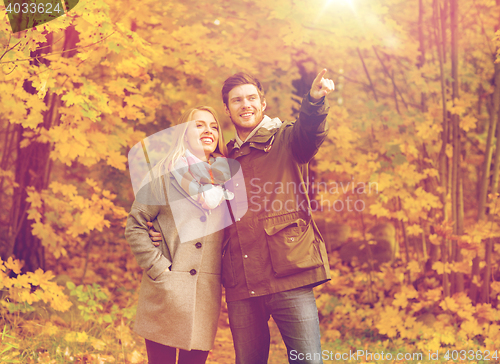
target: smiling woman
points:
(179, 299)
(202, 134)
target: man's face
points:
(245, 108)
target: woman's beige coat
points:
(178, 307)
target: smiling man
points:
(274, 254)
(245, 108)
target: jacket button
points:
(203, 218)
(252, 292)
(192, 272)
(198, 245)
(245, 256)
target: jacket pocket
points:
(227, 275)
(162, 277)
(292, 247)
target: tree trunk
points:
(459, 277)
(496, 118)
(456, 195)
(32, 168)
(485, 289)
(443, 159)
(495, 106)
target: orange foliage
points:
(121, 70)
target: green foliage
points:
(22, 307)
(8, 349)
(92, 298)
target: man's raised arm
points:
(310, 129)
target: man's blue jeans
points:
(296, 316)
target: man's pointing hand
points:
(321, 87)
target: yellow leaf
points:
(123, 332)
(80, 337)
(434, 239)
(486, 312)
(448, 338)
(414, 267)
(433, 294)
(471, 327)
(468, 122)
(431, 172)
(400, 300)
(15, 265)
(135, 357)
(438, 267)
(331, 335)
(414, 230)
(24, 143)
(117, 160)
(34, 198)
(50, 329)
(103, 359)
(495, 286)
(91, 182)
(97, 343)
(64, 148)
(378, 210)
(449, 304)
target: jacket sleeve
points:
(148, 256)
(309, 131)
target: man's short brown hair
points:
(239, 79)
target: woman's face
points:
(202, 134)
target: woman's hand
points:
(154, 235)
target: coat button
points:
(245, 256)
(252, 292)
(198, 245)
(192, 272)
(203, 218)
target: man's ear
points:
(264, 104)
(226, 110)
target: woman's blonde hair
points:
(178, 149)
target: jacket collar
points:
(261, 137)
(266, 123)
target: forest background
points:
(415, 111)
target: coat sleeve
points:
(148, 256)
(309, 131)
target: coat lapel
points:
(181, 190)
